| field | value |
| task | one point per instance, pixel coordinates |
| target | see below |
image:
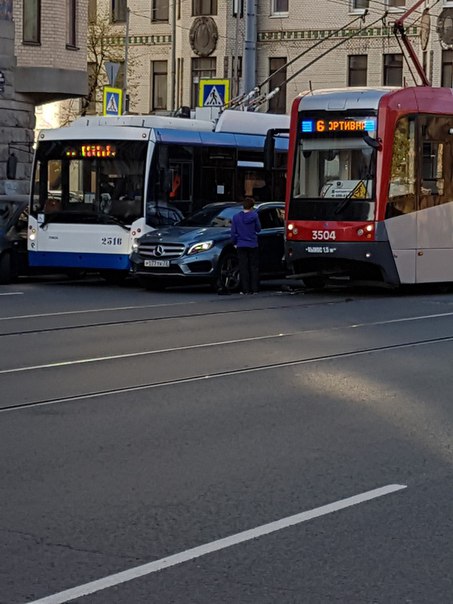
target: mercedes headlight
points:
(203, 246)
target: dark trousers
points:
(249, 268)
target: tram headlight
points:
(135, 245)
(359, 232)
(369, 228)
(32, 234)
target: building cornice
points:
(319, 34)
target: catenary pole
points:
(126, 60)
(250, 45)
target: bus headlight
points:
(203, 246)
(134, 245)
(32, 235)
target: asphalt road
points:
(183, 447)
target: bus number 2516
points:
(323, 235)
(111, 241)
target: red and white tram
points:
(370, 185)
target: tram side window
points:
(436, 162)
(401, 198)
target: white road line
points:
(143, 353)
(81, 312)
(215, 546)
(12, 294)
(206, 345)
(405, 319)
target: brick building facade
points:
(42, 59)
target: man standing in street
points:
(245, 227)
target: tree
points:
(105, 43)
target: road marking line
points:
(12, 294)
(213, 376)
(215, 546)
(205, 345)
(144, 353)
(81, 312)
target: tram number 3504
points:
(323, 235)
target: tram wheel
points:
(315, 282)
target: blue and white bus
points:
(103, 182)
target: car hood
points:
(187, 235)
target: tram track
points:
(222, 374)
(171, 317)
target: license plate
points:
(158, 263)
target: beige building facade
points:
(42, 58)
(317, 38)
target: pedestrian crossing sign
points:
(113, 101)
(214, 93)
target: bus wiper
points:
(107, 218)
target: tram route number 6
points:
(323, 235)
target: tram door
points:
(401, 209)
(434, 259)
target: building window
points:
(158, 85)
(447, 68)
(92, 11)
(159, 11)
(277, 104)
(279, 6)
(357, 70)
(203, 68)
(119, 11)
(393, 70)
(31, 22)
(396, 3)
(204, 7)
(360, 5)
(71, 24)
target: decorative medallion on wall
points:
(203, 36)
(445, 28)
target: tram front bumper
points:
(358, 261)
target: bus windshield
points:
(98, 181)
(334, 179)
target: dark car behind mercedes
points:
(13, 237)
(199, 249)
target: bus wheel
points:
(151, 283)
(6, 268)
(75, 273)
(115, 277)
(228, 278)
(315, 282)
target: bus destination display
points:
(91, 151)
(338, 125)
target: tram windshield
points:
(334, 178)
(98, 181)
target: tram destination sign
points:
(337, 126)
